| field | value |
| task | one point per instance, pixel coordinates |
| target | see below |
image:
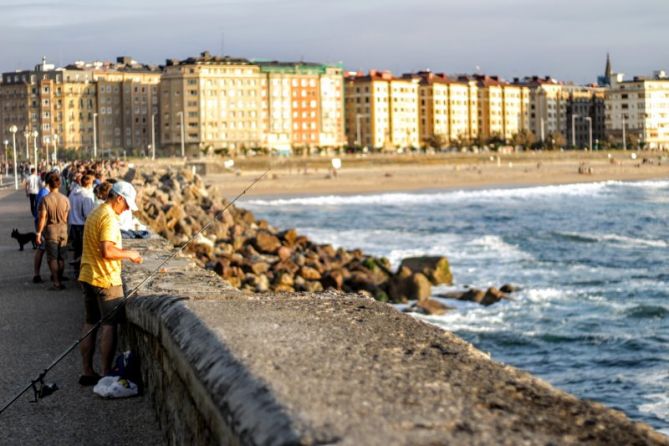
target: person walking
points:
(39, 252)
(32, 189)
(82, 203)
(52, 227)
(100, 277)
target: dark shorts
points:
(100, 302)
(55, 250)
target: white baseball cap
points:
(128, 193)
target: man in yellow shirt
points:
(100, 276)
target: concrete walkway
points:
(37, 325)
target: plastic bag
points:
(115, 387)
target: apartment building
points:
(382, 110)
(58, 104)
(220, 101)
(447, 108)
(503, 108)
(304, 103)
(639, 108)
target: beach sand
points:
(289, 178)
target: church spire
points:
(607, 70)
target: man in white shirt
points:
(82, 203)
(33, 183)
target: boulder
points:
(284, 253)
(333, 279)
(436, 269)
(313, 286)
(492, 296)
(288, 237)
(309, 273)
(406, 285)
(432, 307)
(508, 288)
(266, 242)
(472, 295)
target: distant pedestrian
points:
(82, 203)
(100, 277)
(32, 189)
(41, 247)
(52, 226)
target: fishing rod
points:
(41, 389)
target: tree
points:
(524, 138)
(437, 141)
(556, 140)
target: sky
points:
(565, 39)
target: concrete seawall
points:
(223, 367)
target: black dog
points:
(24, 238)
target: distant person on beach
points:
(100, 277)
(52, 226)
(33, 183)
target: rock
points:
(309, 273)
(333, 279)
(406, 285)
(492, 296)
(436, 269)
(313, 286)
(472, 295)
(262, 283)
(284, 278)
(266, 242)
(433, 307)
(284, 253)
(259, 268)
(283, 289)
(508, 288)
(288, 237)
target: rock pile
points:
(252, 255)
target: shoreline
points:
(424, 178)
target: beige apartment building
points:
(58, 104)
(639, 108)
(503, 108)
(221, 102)
(447, 109)
(382, 111)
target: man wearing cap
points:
(100, 277)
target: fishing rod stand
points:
(42, 389)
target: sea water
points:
(592, 315)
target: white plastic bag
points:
(115, 387)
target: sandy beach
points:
(413, 173)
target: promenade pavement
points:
(36, 326)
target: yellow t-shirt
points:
(102, 225)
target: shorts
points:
(55, 250)
(99, 303)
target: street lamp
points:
(35, 134)
(183, 135)
(589, 119)
(47, 141)
(95, 136)
(4, 162)
(153, 136)
(55, 149)
(26, 134)
(13, 129)
(573, 131)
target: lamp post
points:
(95, 136)
(4, 162)
(55, 149)
(183, 135)
(13, 129)
(153, 136)
(35, 134)
(542, 131)
(47, 141)
(573, 130)
(26, 134)
(589, 119)
(624, 136)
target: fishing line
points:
(39, 387)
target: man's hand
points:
(135, 257)
(38, 238)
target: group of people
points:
(81, 205)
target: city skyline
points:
(529, 38)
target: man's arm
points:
(109, 251)
(41, 223)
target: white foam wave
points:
(495, 245)
(401, 199)
(618, 239)
(658, 406)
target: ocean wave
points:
(623, 240)
(647, 312)
(401, 199)
(496, 245)
(658, 406)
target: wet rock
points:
(433, 307)
(406, 285)
(309, 273)
(492, 296)
(508, 288)
(284, 253)
(436, 269)
(333, 279)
